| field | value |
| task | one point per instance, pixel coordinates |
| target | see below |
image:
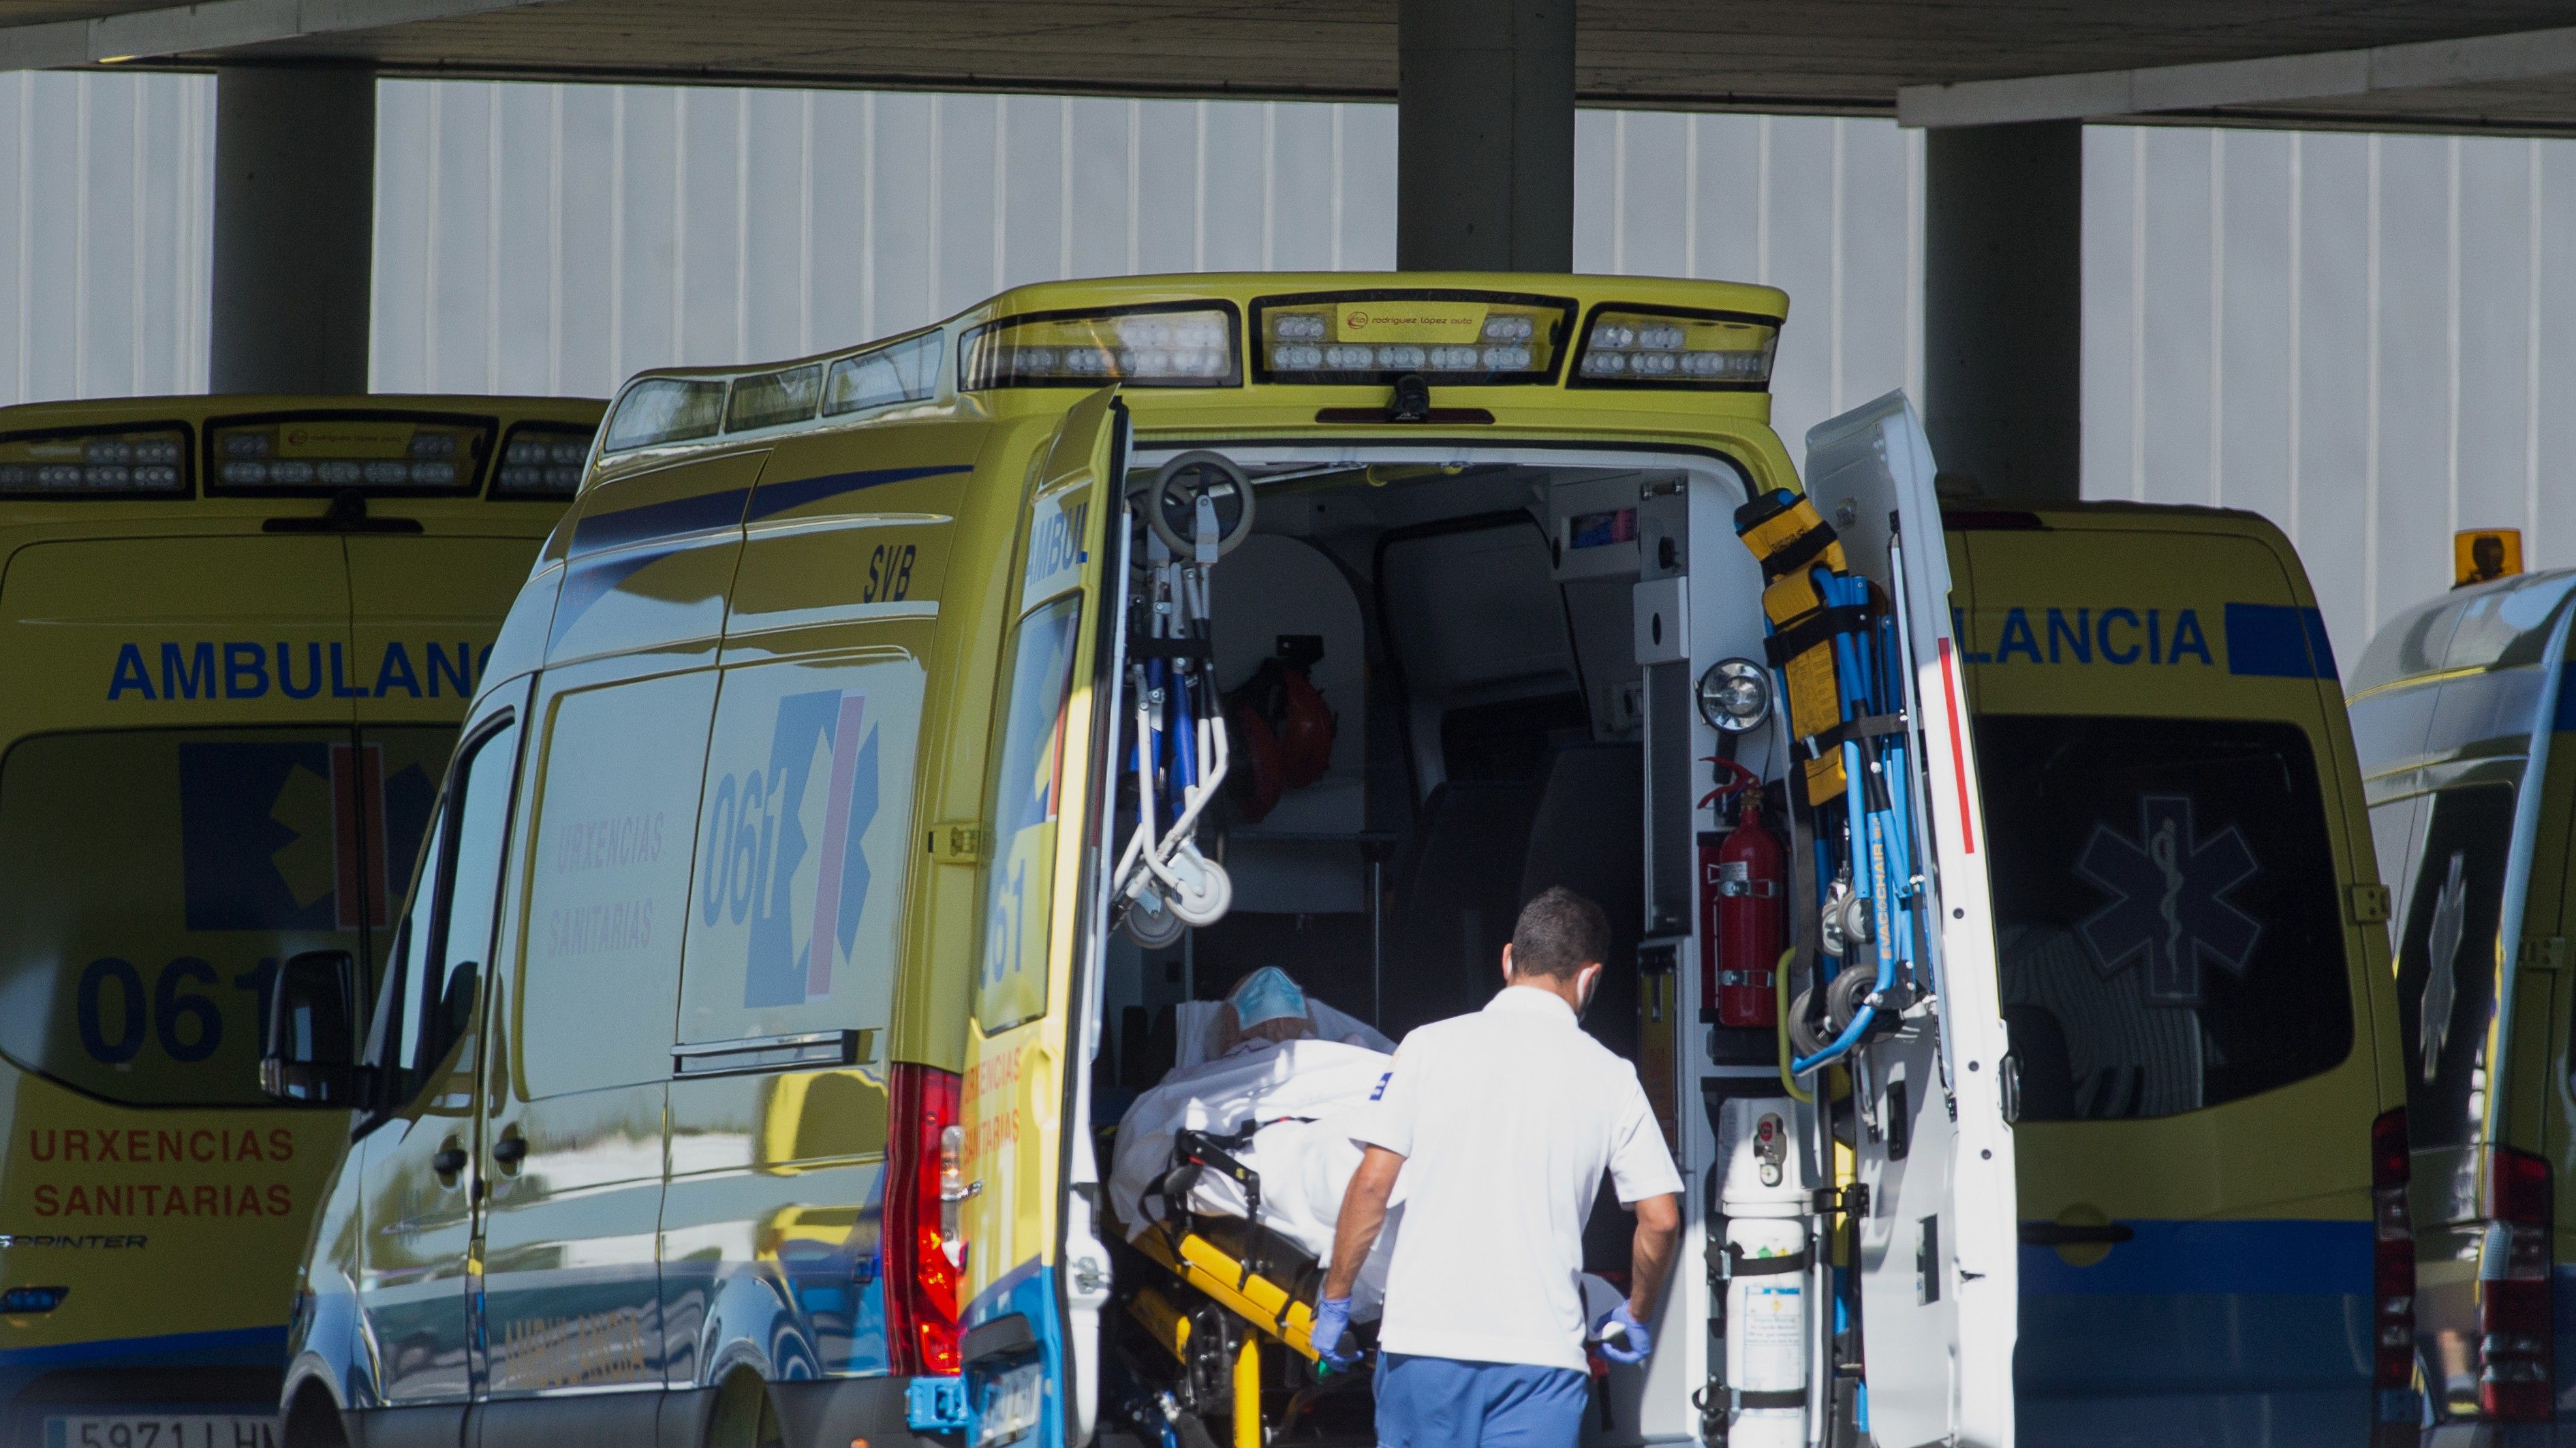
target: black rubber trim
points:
(1000, 1336)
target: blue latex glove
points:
(1332, 1319)
(1630, 1349)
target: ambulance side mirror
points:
(307, 1054)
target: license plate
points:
(1010, 1410)
(162, 1430)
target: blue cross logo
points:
(2169, 903)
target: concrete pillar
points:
(2003, 229)
(1484, 126)
(294, 227)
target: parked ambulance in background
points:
(2212, 1127)
(2461, 711)
(858, 743)
(237, 635)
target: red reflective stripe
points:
(1958, 751)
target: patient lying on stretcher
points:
(1271, 1058)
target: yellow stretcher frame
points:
(1233, 1284)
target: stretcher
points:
(1234, 1286)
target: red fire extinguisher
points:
(1743, 898)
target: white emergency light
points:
(1157, 346)
(328, 451)
(1636, 347)
(149, 461)
(542, 460)
(1453, 338)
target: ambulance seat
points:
(1588, 834)
(1457, 902)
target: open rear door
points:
(1036, 1274)
(1934, 1145)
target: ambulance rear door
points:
(1934, 1147)
(1036, 1272)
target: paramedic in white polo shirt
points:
(1500, 1125)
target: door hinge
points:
(2368, 904)
(2544, 952)
(958, 842)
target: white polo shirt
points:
(1506, 1120)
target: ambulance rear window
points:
(137, 949)
(2167, 917)
(2446, 855)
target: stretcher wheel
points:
(1150, 922)
(1171, 499)
(1206, 892)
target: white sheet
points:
(1305, 1164)
(1194, 1024)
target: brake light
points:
(2392, 1263)
(921, 1259)
(2515, 1381)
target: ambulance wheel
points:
(314, 1421)
(744, 1417)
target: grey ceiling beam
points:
(214, 25)
(2269, 80)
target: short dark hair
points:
(1558, 934)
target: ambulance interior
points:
(1452, 678)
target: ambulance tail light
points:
(1185, 345)
(2515, 1381)
(2392, 1268)
(96, 462)
(1636, 347)
(922, 1261)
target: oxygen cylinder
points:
(1764, 1196)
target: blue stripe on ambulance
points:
(1028, 1292)
(2261, 640)
(778, 497)
(2254, 1331)
(2277, 641)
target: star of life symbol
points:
(2169, 905)
(2441, 963)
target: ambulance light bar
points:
(1452, 338)
(329, 452)
(542, 460)
(127, 462)
(1164, 345)
(1637, 347)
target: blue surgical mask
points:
(1267, 995)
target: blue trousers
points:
(1429, 1402)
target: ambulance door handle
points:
(449, 1161)
(511, 1149)
(2068, 1234)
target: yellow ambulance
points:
(2212, 1123)
(2458, 709)
(238, 633)
(893, 744)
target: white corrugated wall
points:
(557, 238)
(106, 195)
(2370, 339)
